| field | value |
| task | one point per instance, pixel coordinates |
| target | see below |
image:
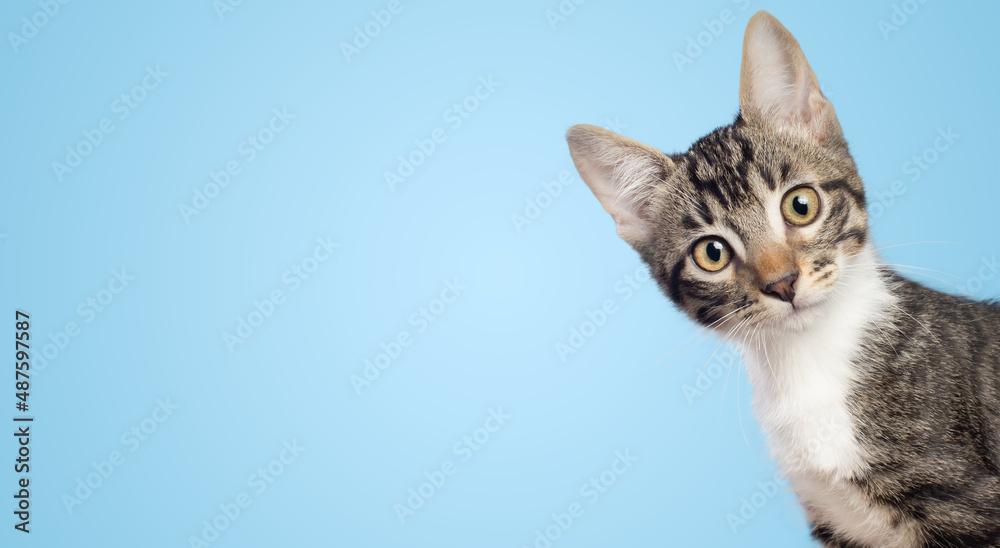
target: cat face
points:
(759, 221)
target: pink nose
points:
(783, 288)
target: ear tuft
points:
(622, 173)
(777, 86)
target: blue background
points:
(526, 286)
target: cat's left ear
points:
(622, 173)
(777, 86)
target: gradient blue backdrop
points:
(526, 287)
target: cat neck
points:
(802, 379)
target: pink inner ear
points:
(771, 76)
(779, 88)
(778, 85)
(818, 113)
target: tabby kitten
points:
(879, 396)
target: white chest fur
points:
(801, 382)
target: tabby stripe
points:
(768, 177)
(785, 169)
(828, 537)
(703, 212)
(840, 184)
(673, 280)
(857, 234)
(701, 184)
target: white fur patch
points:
(801, 382)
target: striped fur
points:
(880, 397)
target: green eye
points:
(800, 206)
(712, 253)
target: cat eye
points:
(800, 206)
(712, 253)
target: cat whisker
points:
(876, 249)
(677, 359)
(929, 332)
(728, 371)
(726, 385)
(722, 342)
(906, 269)
(768, 359)
(914, 243)
(712, 355)
(698, 332)
(886, 339)
(922, 268)
(739, 411)
(725, 340)
(901, 332)
(946, 282)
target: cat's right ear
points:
(777, 86)
(622, 173)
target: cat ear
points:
(622, 173)
(777, 87)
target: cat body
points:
(880, 398)
(880, 420)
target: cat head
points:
(758, 220)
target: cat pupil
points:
(714, 251)
(801, 205)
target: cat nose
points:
(783, 288)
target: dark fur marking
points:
(785, 169)
(856, 234)
(673, 280)
(689, 223)
(840, 184)
(820, 263)
(768, 177)
(828, 537)
(703, 212)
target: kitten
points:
(879, 397)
